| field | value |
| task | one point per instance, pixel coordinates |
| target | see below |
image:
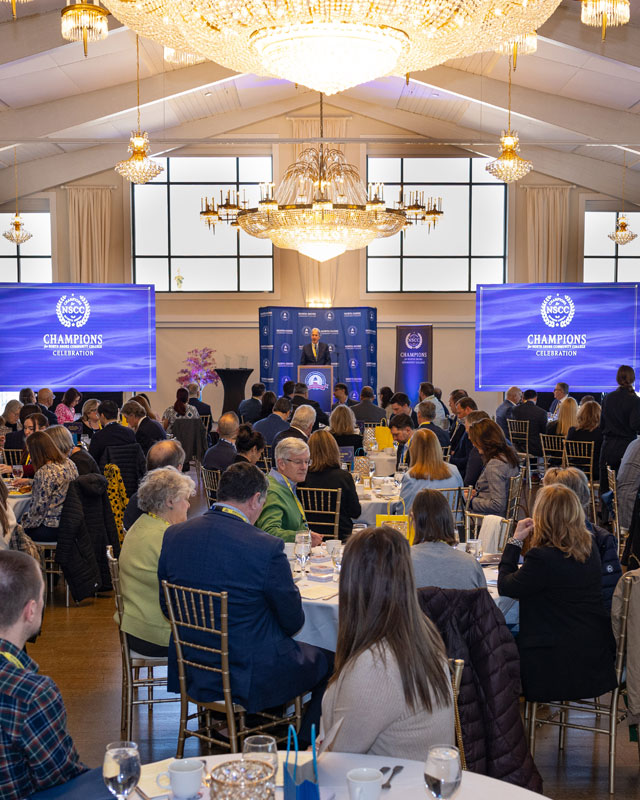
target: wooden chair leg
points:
(184, 713)
(533, 708)
(129, 715)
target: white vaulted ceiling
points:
(576, 102)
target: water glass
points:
(261, 748)
(17, 470)
(121, 768)
(336, 557)
(474, 547)
(302, 549)
(442, 771)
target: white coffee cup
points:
(331, 544)
(184, 777)
(364, 783)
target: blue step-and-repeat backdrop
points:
(351, 334)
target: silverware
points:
(384, 770)
(387, 784)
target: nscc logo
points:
(315, 380)
(284, 315)
(73, 312)
(352, 330)
(353, 363)
(558, 311)
(285, 347)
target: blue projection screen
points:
(535, 334)
(90, 336)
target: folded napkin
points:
(318, 592)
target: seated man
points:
(401, 427)
(36, 751)
(537, 418)
(250, 410)
(507, 407)
(341, 395)
(283, 515)
(276, 422)
(301, 426)
(461, 445)
(224, 451)
(301, 398)
(148, 431)
(167, 453)
(426, 412)
(204, 409)
(400, 404)
(222, 550)
(365, 410)
(427, 391)
(111, 434)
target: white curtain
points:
(309, 127)
(89, 233)
(547, 233)
(318, 280)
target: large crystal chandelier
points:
(331, 45)
(509, 166)
(138, 168)
(605, 13)
(180, 57)
(17, 233)
(622, 235)
(84, 22)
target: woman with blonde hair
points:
(325, 473)
(587, 429)
(567, 418)
(90, 417)
(566, 645)
(343, 427)
(428, 468)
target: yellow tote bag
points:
(383, 437)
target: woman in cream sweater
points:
(390, 693)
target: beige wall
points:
(228, 323)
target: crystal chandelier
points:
(509, 166)
(622, 234)
(138, 168)
(13, 5)
(84, 22)
(181, 58)
(603, 13)
(332, 45)
(16, 234)
(522, 45)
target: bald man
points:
(316, 352)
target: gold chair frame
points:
(618, 531)
(551, 449)
(12, 457)
(519, 435)
(590, 706)
(446, 453)
(194, 610)
(133, 663)
(473, 521)
(325, 502)
(205, 419)
(210, 480)
(50, 567)
(580, 455)
(456, 666)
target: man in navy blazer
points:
(316, 352)
(224, 451)
(222, 550)
(112, 433)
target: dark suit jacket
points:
(220, 552)
(149, 432)
(111, 434)
(335, 478)
(299, 400)
(566, 645)
(220, 456)
(367, 411)
(351, 403)
(204, 409)
(503, 412)
(537, 424)
(250, 409)
(270, 427)
(15, 440)
(296, 433)
(443, 436)
(460, 455)
(324, 356)
(53, 420)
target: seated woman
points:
(566, 645)
(268, 401)
(143, 400)
(587, 429)
(435, 560)
(53, 474)
(63, 440)
(567, 418)
(428, 469)
(11, 414)
(66, 409)
(180, 409)
(390, 690)
(163, 496)
(606, 542)
(343, 427)
(32, 424)
(491, 494)
(325, 473)
(90, 417)
(250, 445)
(385, 394)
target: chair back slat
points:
(210, 479)
(519, 434)
(613, 485)
(580, 455)
(324, 505)
(114, 572)
(12, 457)
(552, 451)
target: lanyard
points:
(295, 497)
(156, 516)
(228, 510)
(12, 659)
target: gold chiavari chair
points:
(473, 521)
(618, 531)
(12, 457)
(519, 435)
(580, 455)
(552, 452)
(322, 507)
(210, 479)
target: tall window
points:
(30, 262)
(468, 245)
(604, 260)
(174, 249)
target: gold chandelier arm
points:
(509, 124)
(15, 173)
(138, 76)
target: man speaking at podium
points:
(316, 352)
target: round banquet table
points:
(372, 504)
(19, 503)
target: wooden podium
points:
(319, 381)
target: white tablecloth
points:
(19, 504)
(333, 768)
(378, 505)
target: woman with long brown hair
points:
(391, 690)
(565, 642)
(428, 468)
(500, 465)
(587, 429)
(66, 408)
(325, 472)
(53, 474)
(567, 418)
(181, 408)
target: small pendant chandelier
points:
(16, 234)
(84, 22)
(525, 44)
(509, 166)
(139, 168)
(13, 5)
(622, 235)
(605, 13)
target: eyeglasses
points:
(298, 463)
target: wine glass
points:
(121, 768)
(302, 549)
(261, 748)
(17, 470)
(336, 557)
(442, 771)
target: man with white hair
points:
(505, 409)
(282, 514)
(316, 352)
(302, 424)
